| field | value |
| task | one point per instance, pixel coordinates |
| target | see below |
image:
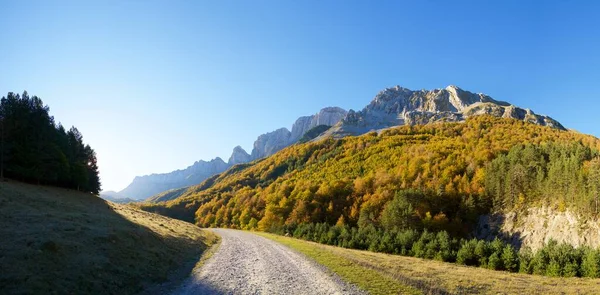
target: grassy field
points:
(58, 241)
(391, 274)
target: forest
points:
(35, 149)
(419, 181)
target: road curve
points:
(249, 264)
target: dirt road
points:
(249, 264)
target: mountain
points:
(144, 186)
(165, 186)
(399, 106)
(272, 142)
(167, 195)
(391, 107)
(269, 143)
(327, 117)
(239, 156)
(313, 133)
(426, 191)
(447, 159)
(115, 197)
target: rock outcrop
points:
(238, 156)
(399, 106)
(270, 143)
(536, 227)
(327, 116)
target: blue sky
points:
(157, 85)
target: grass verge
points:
(365, 278)
(381, 273)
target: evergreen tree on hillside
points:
(34, 149)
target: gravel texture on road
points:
(249, 264)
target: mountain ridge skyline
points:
(419, 107)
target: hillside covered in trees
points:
(411, 190)
(33, 148)
(459, 170)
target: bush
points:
(494, 262)
(525, 261)
(510, 258)
(540, 261)
(445, 250)
(466, 253)
(405, 241)
(482, 251)
(590, 264)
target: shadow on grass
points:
(59, 241)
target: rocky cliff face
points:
(238, 156)
(327, 116)
(269, 143)
(398, 106)
(145, 186)
(538, 226)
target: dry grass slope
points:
(58, 241)
(432, 277)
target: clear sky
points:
(156, 85)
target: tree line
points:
(554, 259)
(568, 174)
(33, 148)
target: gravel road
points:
(249, 264)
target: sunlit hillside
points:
(350, 180)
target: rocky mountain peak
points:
(398, 106)
(238, 156)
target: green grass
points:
(59, 241)
(365, 278)
(381, 273)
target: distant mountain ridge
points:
(151, 186)
(392, 106)
(145, 186)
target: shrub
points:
(525, 261)
(590, 264)
(445, 250)
(482, 251)
(405, 241)
(540, 261)
(466, 253)
(510, 258)
(494, 262)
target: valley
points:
(299, 147)
(464, 191)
